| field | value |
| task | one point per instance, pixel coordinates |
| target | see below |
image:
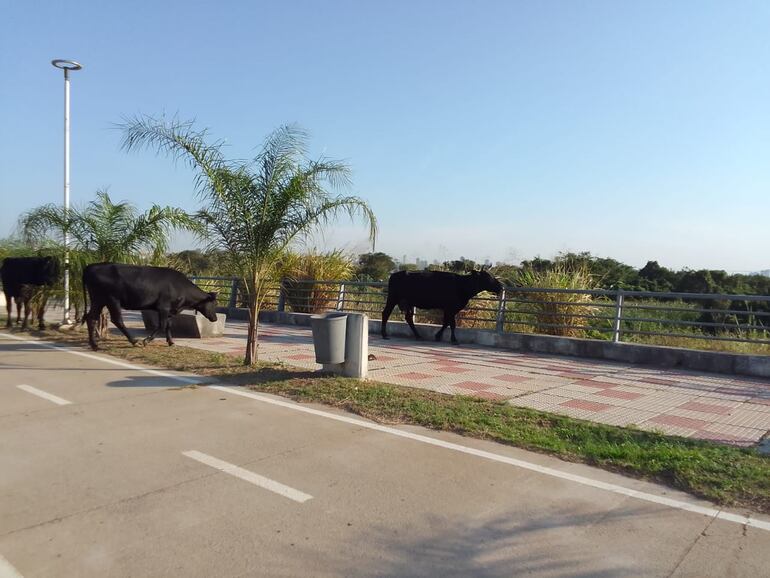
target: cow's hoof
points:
(170, 343)
(455, 343)
(385, 337)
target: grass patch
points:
(724, 474)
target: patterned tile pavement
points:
(725, 408)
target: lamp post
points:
(66, 66)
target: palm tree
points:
(106, 231)
(255, 209)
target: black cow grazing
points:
(166, 291)
(27, 280)
(435, 290)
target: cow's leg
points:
(91, 318)
(389, 305)
(162, 320)
(9, 307)
(18, 309)
(452, 325)
(26, 302)
(41, 310)
(446, 322)
(409, 316)
(169, 340)
(117, 320)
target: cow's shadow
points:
(258, 376)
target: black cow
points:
(166, 291)
(26, 280)
(434, 290)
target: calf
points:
(166, 291)
(435, 290)
(27, 280)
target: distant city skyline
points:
(502, 131)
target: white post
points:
(66, 65)
(617, 327)
(66, 320)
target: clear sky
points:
(487, 129)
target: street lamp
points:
(66, 66)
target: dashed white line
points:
(256, 479)
(614, 488)
(8, 571)
(44, 394)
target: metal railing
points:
(614, 315)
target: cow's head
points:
(486, 282)
(208, 307)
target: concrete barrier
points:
(188, 324)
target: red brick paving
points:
(678, 421)
(706, 407)
(619, 394)
(584, 404)
(714, 397)
(452, 369)
(473, 385)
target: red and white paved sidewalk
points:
(725, 408)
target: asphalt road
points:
(125, 472)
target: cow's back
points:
(137, 286)
(18, 271)
(424, 289)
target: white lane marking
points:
(44, 394)
(8, 571)
(256, 479)
(614, 488)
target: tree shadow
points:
(560, 543)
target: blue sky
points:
(500, 130)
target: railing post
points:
(617, 329)
(500, 325)
(233, 302)
(341, 298)
(281, 306)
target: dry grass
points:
(561, 314)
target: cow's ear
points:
(212, 296)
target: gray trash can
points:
(329, 337)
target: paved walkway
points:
(728, 409)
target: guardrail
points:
(615, 315)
